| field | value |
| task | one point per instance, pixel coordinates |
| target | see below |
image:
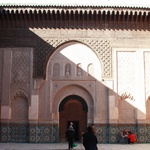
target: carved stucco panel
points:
(147, 73)
(19, 106)
(20, 82)
(126, 83)
(73, 89)
(21, 69)
(147, 81)
(101, 47)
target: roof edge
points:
(72, 5)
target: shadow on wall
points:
(22, 36)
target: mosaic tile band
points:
(49, 133)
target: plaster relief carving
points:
(68, 70)
(79, 70)
(56, 70)
(125, 96)
(19, 94)
(38, 83)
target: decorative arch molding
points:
(67, 70)
(126, 102)
(102, 48)
(19, 106)
(126, 94)
(19, 94)
(76, 97)
(68, 90)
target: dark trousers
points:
(70, 143)
(129, 141)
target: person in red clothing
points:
(131, 138)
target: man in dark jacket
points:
(70, 134)
(89, 140)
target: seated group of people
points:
(128, 137)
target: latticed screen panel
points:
(20, 84)
(20, 72)
(147, 81)
(147, 72)
(45, 48)
(126, 84)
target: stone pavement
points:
(64, 146)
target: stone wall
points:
(24, 55)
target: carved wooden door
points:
(72, 112)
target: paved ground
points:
(63, 146)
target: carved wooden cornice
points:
(75, 17)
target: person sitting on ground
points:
(124, 136)
(131, 138)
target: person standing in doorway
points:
(71, 124)
(70, 135)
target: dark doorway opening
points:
(74, 109)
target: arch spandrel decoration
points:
(18, 94)
(101, 47)
(78, 98)
(56, 70)
(67, 70)
(19, 106)
(72, 90)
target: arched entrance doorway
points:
(74, 109)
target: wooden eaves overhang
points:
(74, 17)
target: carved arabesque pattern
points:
(147, 86)
(126, 72)
(67, 70)
(44, 49)
(18, 94)
(56, 70)
(20, 73)
(42, 52)
(19, 109)
(103, 50)
(20, 79)
(79, 71)
(147, 72)
(126, 84)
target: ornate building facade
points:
(85, 64)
